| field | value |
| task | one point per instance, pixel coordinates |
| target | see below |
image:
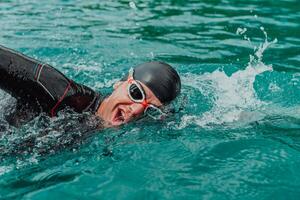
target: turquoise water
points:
(237, 138)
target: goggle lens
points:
(135, 92)
(154, 112)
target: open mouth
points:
(118, 117)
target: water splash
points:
(231, 95)
(261, 48)
(44, 136)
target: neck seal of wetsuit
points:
(160, 78)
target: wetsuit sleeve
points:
(41, 85)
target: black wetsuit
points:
(42, 88)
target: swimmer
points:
(38, 87)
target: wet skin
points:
(118, 108)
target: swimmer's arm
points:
(39, 84)
(20, 75)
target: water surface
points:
(237, 138)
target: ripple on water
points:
(236, 138)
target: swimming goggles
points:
(137, 94)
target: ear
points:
(117, 84)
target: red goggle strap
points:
(145, 104)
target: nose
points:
(136, 109)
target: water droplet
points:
(132, 5)
(240, 31)
(152, 54)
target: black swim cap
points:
(161, 78)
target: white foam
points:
(5, 169)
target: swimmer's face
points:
(118, 108)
